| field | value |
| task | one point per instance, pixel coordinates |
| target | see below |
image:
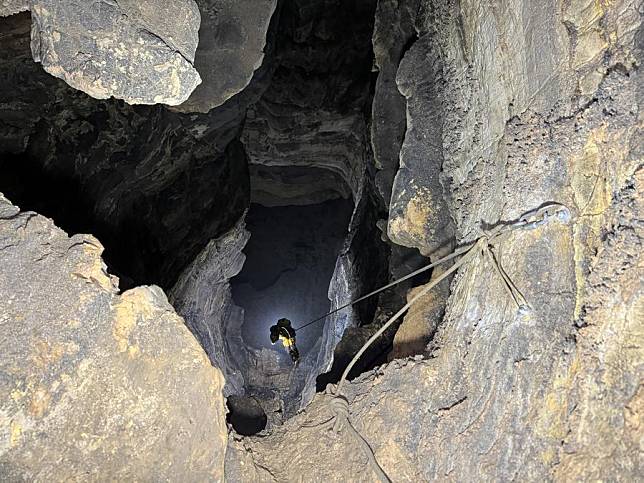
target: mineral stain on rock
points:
(107, 396)
(422, 124)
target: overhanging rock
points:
(138, 51)
(231, 48)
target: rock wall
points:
(203, 297)
(312, 112)
(393, 33)
(232, 42)
(92, 382)
(509, 106)
(154, 185)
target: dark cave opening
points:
(245, 415)
(290, 258)
(145, 239)
(156, 186)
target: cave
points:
(175, 177)
(290, 259)
(283, 169)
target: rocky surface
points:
(508, 108)
(312, 112)
(507, 105)
(393, 32)
(571, 394)
(236, 340)
(202, 296)
(291, 259)
(156, 186)
(139, 51)
(232, 41)
(92, 382)
(11, 7)
(573, 400)
(140, 178)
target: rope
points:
(340, 405)
(452, 255)
(468, 256)
(529, 221)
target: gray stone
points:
(93, 382)
(311, 115)
(202, 296)
(509, 106)
(141, 52)
(123, 158)
(11, 7)
(393, 32)
(232, 39)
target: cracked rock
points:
(93, 382)
(141, 52)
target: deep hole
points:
(155, 190)
(245, 415)
(290, 259)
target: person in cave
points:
(284, 331)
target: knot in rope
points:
(340, 407)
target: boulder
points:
(139, 51)
(95, 384)
(232, 39)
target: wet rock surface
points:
(92, 382)
(139, 51)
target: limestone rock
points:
(11, 7)
(94, 383)
(311, 114)
(571, 395)
(141, 52)
(501, 119)
(232, 39)
(418, 213)
(119, 159)
(203, 297)
(393, 32)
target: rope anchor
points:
(482, 246)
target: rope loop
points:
(340, 408)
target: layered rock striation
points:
(508, 108)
